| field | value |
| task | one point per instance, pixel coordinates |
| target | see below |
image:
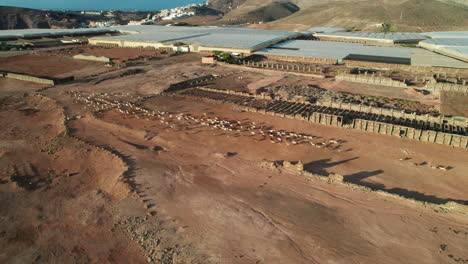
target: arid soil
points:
(50, 66)
(83, 182)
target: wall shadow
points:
(358, 179)
(320, 166)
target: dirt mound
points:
(269, 12)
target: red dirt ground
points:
(50, 66)
(80, 187)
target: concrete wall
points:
(370, 79)
(28, 78)
(411, 133)
(34, 79)
(300, 70)
(357, 40)
(422, 69)
(448, 139)
(125, 44)
(210, 49)
(352, 63)
(301, 59)
(318, 118)
(157, 45)
(436, 88)
(91, 58)
(441, 120)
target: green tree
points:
(226, 57)
(217, 52)
(388, 27)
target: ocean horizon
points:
(92, 5)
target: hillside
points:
(22, 18)
(19, 18)
(263, 13)
(406, 15)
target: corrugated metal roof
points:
(340, 50)
(227, 37)
(159, 37)
(375, 35)
(29, 33)
(326, 29)
(333, 50)
(447, 34)
(447, 41)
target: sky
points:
(99, 4)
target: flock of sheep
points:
(103, 102)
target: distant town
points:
(151, 18)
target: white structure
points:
(450, 43)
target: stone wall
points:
(28, 78)
(411, 133)
(91, 58)
(436, 88)
(370, 79)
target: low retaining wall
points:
(376, 80)
(91, 58)
(274, 70)
(35, 79)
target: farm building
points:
(451, 43)
(372, 37)
(51, 33)
(335, 51)
(199, 39)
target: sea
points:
(97, 5)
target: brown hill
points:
(20, 18)
(263, 13)
(406, 15)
